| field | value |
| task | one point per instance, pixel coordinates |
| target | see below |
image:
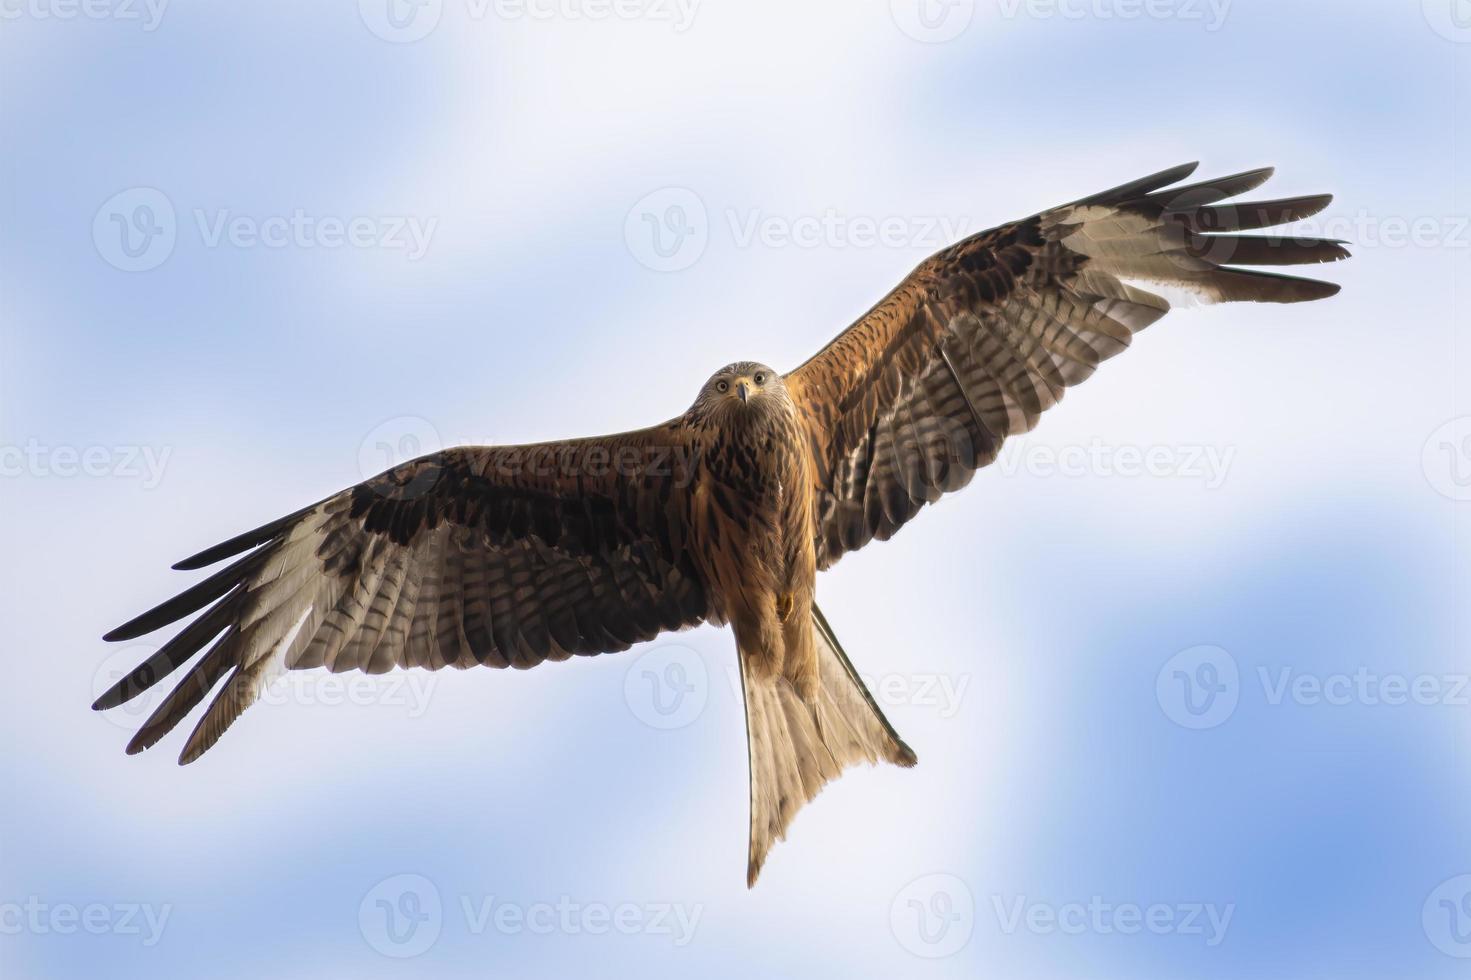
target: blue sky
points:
(374, 234)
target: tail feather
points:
(796, 748)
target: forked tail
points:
(796, 748)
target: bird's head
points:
(743, 389)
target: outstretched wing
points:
(907, 403)
(497, 556)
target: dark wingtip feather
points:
(224, 711)
(130, 630)
(239, 543)
(1311, 205)
(1248, 215)
(1211, 191)
(172, 655)
(190, 691)
(1240, 285)
(1142, 186)
(191, 600)
(120, 693)
(1261, 250)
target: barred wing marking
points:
(506, 557)
(910, 401)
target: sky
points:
(1186, 669)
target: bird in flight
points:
(512, 556)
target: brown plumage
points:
(511, 556)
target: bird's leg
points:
(800, 663)
(758, 635)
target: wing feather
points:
(497, 556)
(985, 336)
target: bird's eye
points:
(722, 386)
(760, 377)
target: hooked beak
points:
(744, 390)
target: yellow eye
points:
(722, 386)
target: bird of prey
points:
(512, 556)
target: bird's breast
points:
(759, 466)
(751, 515)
